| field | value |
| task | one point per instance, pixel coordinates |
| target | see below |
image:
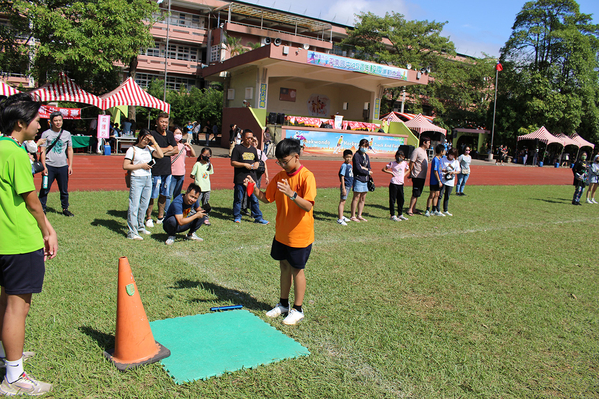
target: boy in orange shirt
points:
(294, 191)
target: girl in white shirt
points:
(138, 162)
(465, 159)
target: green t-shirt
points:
(19, 232)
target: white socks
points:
(14, 369)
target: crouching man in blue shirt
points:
(184, 214)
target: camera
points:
(206, 207)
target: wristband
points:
(294, 196)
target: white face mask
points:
(178, 137)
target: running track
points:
(105, 173)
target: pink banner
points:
(67, 113)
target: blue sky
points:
(475, 27)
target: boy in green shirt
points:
(26, 240)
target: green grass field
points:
(499, 301)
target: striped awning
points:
(567, 140)
(582, 142)
(403, 117)
(421, 124)
(130, 93)
(6, 90)
(65, 90)
(542, 135)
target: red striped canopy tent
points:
(542, 135)
(582, 142)
(130, 93)
(6, 90)
(65, 90)
(421, 124)
(402, 117)
(567, 140)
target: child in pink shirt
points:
(178, 165)
(398, 170)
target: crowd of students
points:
(447, 171)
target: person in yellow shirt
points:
(294, 190)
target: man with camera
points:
(57, 158)
(185, 213)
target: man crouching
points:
(184, 214)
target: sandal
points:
(362, 219)
(409, 214)
(354, 219)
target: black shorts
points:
(435, 187)
(23, 273)
(417, 186)
(297, 257)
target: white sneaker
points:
(341, 222)
(447, 213)
(144, 231)
(589, 201)
(135, 237)
(437, 213)
(427, 214)
(395, 218)
(26, 384)
(402, 217)
(159, 221)
(149, 223)
(345, 219)
(594, 202)
(170, 240)
(277, 311)
(293, 317)
(194, 237)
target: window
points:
(187, 20)
(175, 52)
(172, 82)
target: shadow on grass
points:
(105, 341)
(224, 294)
(222, 213)
(118, 214)
(554, 200)
(116, 226)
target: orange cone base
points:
(162, 353)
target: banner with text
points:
(335, 142)
(350, 64)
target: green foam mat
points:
(208, 345)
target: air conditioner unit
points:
(277, 42)
(265, 41)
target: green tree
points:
(393, 40)
(550, 77)
(85, 37)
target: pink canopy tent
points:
(542, 135)
(421, 124)
(65, 90)
(130, 93)
(402, 117)
(567, 140)
(6, 90)
(582, 142)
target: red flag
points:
(499, 67)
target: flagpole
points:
(494, 109)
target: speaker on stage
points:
(272, 118)
(280, 119)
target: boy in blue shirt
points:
(346, 177)
(185, 213)
(436, 183)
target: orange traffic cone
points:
(134, 342)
